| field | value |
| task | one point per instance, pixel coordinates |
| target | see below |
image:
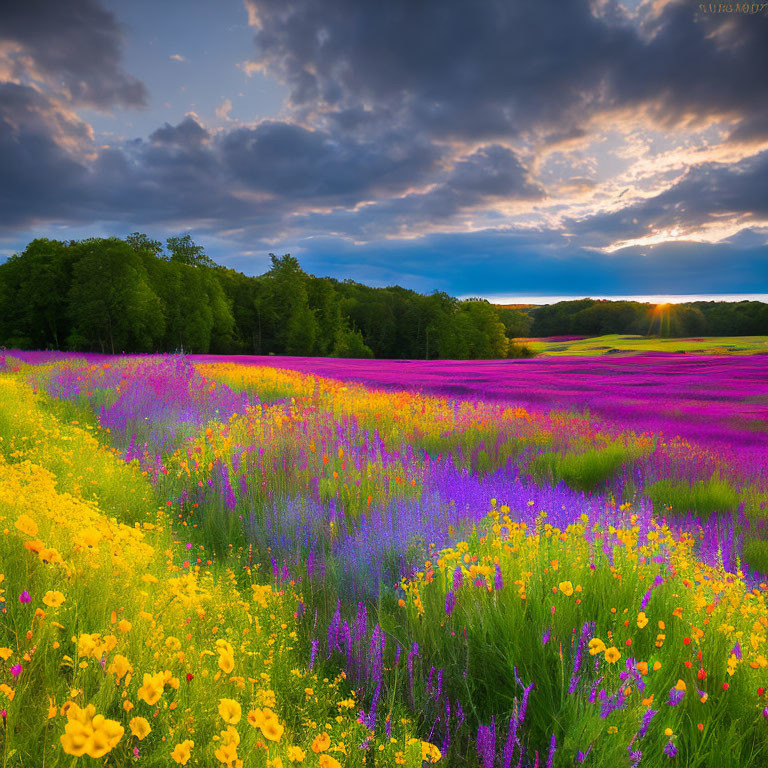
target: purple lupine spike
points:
(313, 655)
(397, 654)
(458, 578)
(388, 728)
(429, 681)
(647, 717)
(486, 743)
(582, 756)
(498, 581)
(524, 703)
(450, 602)
(439, 683)
(552, 750)
(574, 684)
(447, 737)
(547, 634)
(509, 745)
(460, 716)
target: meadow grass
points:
(611, 343)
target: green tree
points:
(143, 244)
(111, 302)
(183, 249)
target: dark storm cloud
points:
(706, 194)
(39, 179)
(289, 160)
(487, 177)
(74, 44)
(189, 132)
(489, 69)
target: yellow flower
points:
(227, 753)
(566, 588)
(26, 525)
(53, 599)
(276, 762)
(612, 655)
(88, 733)
(680, 685)
(152, 689)
(321, 743)
(272, 729)
(326, 761)
(5, 653)
(429, 752)
(642, 620)
(120, 666)
(139, 727)
(181, 752)
(668, 732)
(226, 662)
(124, 625)
(296, 754)
(596, 645)
(229, 711)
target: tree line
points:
(140, 295)
(590, 317)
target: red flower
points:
(190, 677)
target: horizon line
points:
(648, 298)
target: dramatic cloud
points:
(710, 195)
(605, 141)
(486, 70)
(73, 45)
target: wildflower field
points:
(274, 562)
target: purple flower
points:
(486, 743)
(670, 750)
(458, 578)
(450, 602)
(545, 637)
(498, 581)
(24, 597)
(675, 697)
(16, 670)
(552, 750)
(647, 717)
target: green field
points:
(618, 343)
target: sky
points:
(499, 148)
